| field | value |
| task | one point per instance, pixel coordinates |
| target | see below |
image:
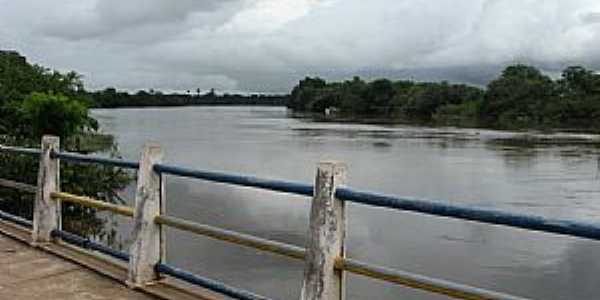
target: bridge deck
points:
(29, 273)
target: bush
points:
(54, 114)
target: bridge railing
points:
(324, 255)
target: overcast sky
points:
(268, 45)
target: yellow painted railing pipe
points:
(97, 204)
(420, 282)
(233, 237)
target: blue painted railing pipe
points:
(15, 219)
(463, 212)
(209, 284)
(88, 244)
(161, 268)
(82, 158)
(242, 180)
(20, 150)
(469, 213)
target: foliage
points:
(580, 91)
(35, 101)
(20, 80)
(111, 98)
(520, 97)
(381, 97)
(99, 182)
(53, 114)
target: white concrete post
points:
(326, 237)
(46, 212)
(147, 249)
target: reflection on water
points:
(551, 175)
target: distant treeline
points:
(111, 98)
(33, 98)
(520, 97)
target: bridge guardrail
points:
(324, 256)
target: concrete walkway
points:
(29, 273)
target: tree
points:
(305, 92)
(34, 101)
(423, 100)
(378, 96)
(518, 97)
(521, 96)
(579, 89)
(19, 79)
(352, 101)
(578, 80)
(54, 114)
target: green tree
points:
(519, 97)
(423, 101)
(579, 80)
(579, 89)
(305, 93)
(378, 96)
(54, 114)
(35, 100)
(352, 102)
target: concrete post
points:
(147, 249)
(46, 212)
(326, 236)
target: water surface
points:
(549, 175)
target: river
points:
(549, 175)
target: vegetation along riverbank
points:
(35, 101)
(520, 97)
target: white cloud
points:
(264, 17)
(267, 45)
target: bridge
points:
(143, 271)
(29, 273)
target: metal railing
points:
(324, 256)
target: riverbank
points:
(465, 124)
(520, 97)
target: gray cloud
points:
(267, 45)
(591, 18)
(104, 18)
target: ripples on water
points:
(554, 175)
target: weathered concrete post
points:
(326, 236)
(46, 212)
(148, 245)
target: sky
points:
(268, 45)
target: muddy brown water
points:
(553, 175)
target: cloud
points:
(591, 18)
(267, 45)
(89, 19)
(549, 32)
